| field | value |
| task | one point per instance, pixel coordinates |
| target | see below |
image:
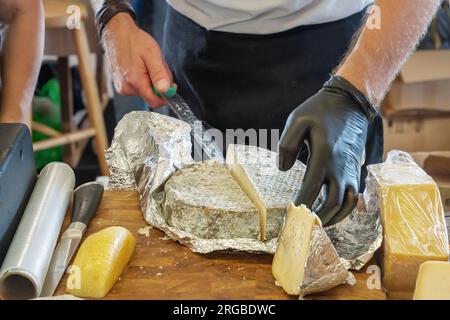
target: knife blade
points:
(200, 135)
(86, 200)
(62, 256)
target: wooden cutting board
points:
(163, 269)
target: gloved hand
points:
(334, 124)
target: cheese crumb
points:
(145, 231)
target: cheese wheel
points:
(100, 261)
(204, 200)
(271, 190)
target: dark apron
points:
(242, 81)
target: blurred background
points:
(416, 111)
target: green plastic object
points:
(51, 91)
(47, 111)
(169, 94)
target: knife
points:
(86, 200)
(200, 135)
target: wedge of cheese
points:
(289, 262)
(271, 190)
(413, 223)
(306, 261)
(99, 262)
(204, 200)
(433, 281)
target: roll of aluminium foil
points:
(26, 263)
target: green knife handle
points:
(169, 94)
(86, 201)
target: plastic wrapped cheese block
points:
(413, 221)
(271, 190)
(306, 261)
(99, 262)
(433, 281)
(204, 200)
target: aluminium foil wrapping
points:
(357, 237)
(148, 148)
(324, 268)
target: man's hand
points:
(334, 122)
(136, 60)
(334, 125)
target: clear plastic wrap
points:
(413, 220)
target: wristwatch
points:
(108, 10)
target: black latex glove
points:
(334, 124)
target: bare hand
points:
(136, 61)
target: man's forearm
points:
(378, 54)
(21, 60)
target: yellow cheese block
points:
(289, 263)
(414, 232)
(433, 281)
(100, 261)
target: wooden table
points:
(163, 269)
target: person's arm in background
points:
(378, 55)
(21, 57)
(135, 58)
(334, 122)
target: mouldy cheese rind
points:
(271, 190)
(204, 200)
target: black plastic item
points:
(334, 124)
(17, 178)
(108, 10)
(86, 200)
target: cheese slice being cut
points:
(289, 262)
(99, 262)
(306, 261)
(413, 222)
(204, 200)
(271, 190)
(433, 281)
